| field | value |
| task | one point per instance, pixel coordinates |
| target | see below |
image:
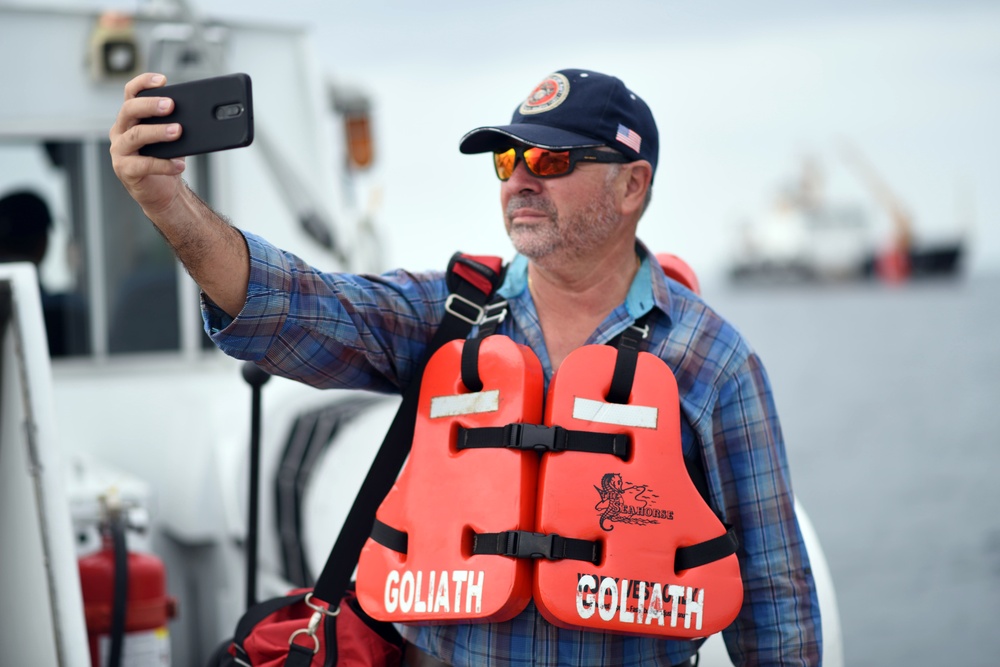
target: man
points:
(25, 225)
(580, 277)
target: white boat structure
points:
(130, 400)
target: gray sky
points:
(741, 91)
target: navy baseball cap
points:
(575, 108)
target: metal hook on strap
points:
(475, 313)
(310, 630)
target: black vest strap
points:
(470, 364)
(523, 544)
(692, 461)
(493, 315)
(543, 439)
(628, 344)
(389, 537)
(706, 552)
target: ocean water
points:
(889, 398)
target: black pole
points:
(256, 378)
(6, 314)
(119, 604)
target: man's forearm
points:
(212, 250)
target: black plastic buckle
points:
(536, 437)
(522, 544)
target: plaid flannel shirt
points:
(370, 332)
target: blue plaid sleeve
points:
(779, 622)
(330, 329)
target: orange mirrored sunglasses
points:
(545, 163)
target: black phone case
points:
(204, 128)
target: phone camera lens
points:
(228, 111)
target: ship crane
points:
(893, 262)
(906, 256)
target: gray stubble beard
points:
(591, 228)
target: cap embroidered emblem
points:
(547, 95)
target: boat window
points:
(111, 287)
(40, 222)
(141, 275)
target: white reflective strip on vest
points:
(638, 416)
(465, 404)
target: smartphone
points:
(215, 114)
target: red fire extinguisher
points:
(125, 600)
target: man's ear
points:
(638, 180)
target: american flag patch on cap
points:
(628, 137)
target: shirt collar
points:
(649, 287)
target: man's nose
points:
(522, 179)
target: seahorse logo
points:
(623, 502)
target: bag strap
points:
(471, 281)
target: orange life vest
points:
(595, 516)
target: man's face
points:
(573, 214)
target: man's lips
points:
(527, 215)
